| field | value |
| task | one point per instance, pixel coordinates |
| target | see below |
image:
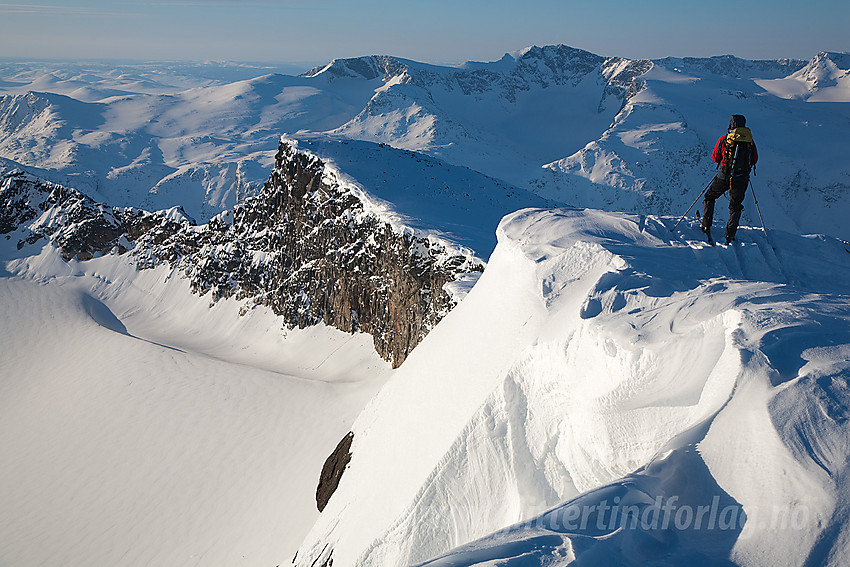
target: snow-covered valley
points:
(211, 275)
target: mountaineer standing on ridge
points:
(735, 154)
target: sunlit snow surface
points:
(603, 359)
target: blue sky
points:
(437, 31)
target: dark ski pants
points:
(737, 187)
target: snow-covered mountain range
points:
(569, 125)
(454, 298)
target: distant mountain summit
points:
(826, 70)
(374, 67)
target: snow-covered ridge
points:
(417, 193)
(542, 65)
(311, 247)
(605, 356)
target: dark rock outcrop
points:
(346, 267)
(305, 246)
(332, 471)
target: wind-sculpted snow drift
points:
(604, 361)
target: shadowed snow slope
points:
(603, 360)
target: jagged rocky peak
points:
(825, 69)
(371, 67)
(307, 246)
(378, 278)
(561, 60)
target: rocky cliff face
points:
(306, 246)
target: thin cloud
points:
(39, 8)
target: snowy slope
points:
(825, 79)
(94, 81)
(420, 193)
(601, 356)
(142, 426)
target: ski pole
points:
(758, 210)
(692, 205)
